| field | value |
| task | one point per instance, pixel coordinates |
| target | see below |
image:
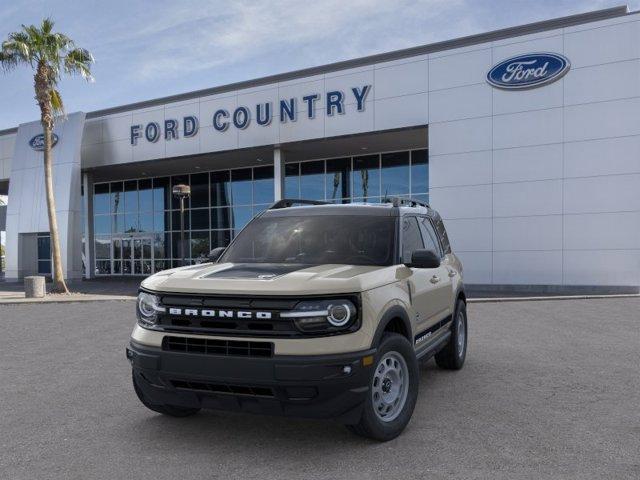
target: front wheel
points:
(393, 390)
(452, 356)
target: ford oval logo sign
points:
(37, 142)
(528, 71)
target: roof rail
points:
(403, 201)
(290, 202)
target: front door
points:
(429, 286)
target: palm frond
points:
(78, 61)
(56, 102)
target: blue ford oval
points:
(37, 142)
(528, 71)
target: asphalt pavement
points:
(550, 390)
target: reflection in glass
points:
(240, 216)
(200, 190)
(312, 180)
(161, 194)
(145, 195)
(117, 223)
(103, 267)
(199, 244)
(131, 196)
(145, 222)
(160, 241)
(338, 179)
(200, 219)
(116, 197)
(101, 198)
(175, 220)
(130, 222)
(102, 224)
(366, 177)
(220, 218)
(419, 171)
(292, 180)
(395, 173)
(241, 186)
(220, 238)
(220, 189)
(263, 185)
(102, 245)
(117, 248)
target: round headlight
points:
(339, 315)
(148, 308)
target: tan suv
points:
(314, 310)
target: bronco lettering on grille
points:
(243, 314)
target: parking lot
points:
(551, 389)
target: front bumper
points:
(319, 386)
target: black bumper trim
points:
(311, 386)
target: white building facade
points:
(526, 140)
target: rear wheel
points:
(171, 410)
(393, 390)
(452, 356)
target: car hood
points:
(270, 279)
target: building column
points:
(87, 205)
(278, 174)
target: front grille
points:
(223, 388)
(208, 346)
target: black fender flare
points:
(396, 311)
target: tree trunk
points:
(46, 118)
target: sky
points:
(150, 49)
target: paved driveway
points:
(550, 390)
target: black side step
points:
(430, 349)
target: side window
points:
(429, 235)
(411, 238)
(442, 233)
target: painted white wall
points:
(27, 207)
(542, 186)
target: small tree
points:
(49, 55)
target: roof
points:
(500, 34)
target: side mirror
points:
(215, 254)
(424, 259)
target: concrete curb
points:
(550, 298)
(70, 299)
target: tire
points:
(453, 355)
(395, 354)
(170, 410)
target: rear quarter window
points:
(442, 233)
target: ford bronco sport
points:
(314, 310)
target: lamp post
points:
(181, 192)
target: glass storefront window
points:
(145, 195)
(312, 180)
(241, 191)
(338, 179)
(419, 172)
(117, 192)
(366, 177)
(101, 198)
(220, 189)
(292, 180)
(143, 212)
(200, 190)
(395, 173)
(263, 185)
(179, 180)
(161, 194)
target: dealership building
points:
(526, 140)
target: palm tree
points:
(49, 54)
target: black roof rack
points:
(403, 201)
(290, 202)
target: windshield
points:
(316, 240)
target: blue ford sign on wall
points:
(37, 142)
(528, 71)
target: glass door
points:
(132, 255)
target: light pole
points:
(181, 192)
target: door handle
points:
(434, 279)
